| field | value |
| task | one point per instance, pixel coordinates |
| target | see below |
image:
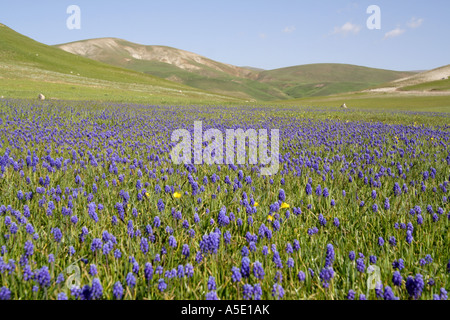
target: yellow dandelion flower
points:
(269, 218)
(256, 204)
(177, 195)
(147, 194)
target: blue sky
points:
(414, 35)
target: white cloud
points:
(415, 22)
(347, 28)
(289, 29)
(394, 33)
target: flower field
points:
(92, 207)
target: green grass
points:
(323, 89)
(29, 67)
(439, 85)
(385, 102)
(113, 92)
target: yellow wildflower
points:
(256, 204)
(177, 195)
(284, 205)
(269, 218)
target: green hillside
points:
(326, 78)
(216, 81)
(438, 85)
(417, 92)
(242, 82)
(176, 65)
(29, 67)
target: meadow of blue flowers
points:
(91, 206)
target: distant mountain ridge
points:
(176, 65)
(243, 82)
(123, 52)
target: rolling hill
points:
(176, 65)
(326, 78)
(243, 82)
(434, 80)
(425, 91)
(29, 67)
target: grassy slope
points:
(204, 78)
(284, 83)
(29, 67)
(376, 101)
(327, 78)
(220, 83)
(439, 85)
